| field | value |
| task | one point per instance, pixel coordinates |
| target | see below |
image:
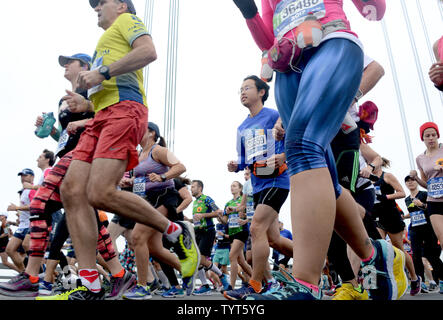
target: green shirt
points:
(203, 204)
(233, 217)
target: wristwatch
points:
(358, 95)
(372, 166)
(163, 177)
(104, 71)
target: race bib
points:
(377, 191)
(233, 221)
(97, 64)
(219, 237)
(139, 187)
(255, 143)
(197, 223)
(64, 137)
(418, 218)
(290, 13)
(435, 187)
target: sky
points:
(215, 53)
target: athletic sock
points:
(163, 278)
(33, 279)
(215, 269)
(202, 276)
(371, 256)
(307, 284)
(120, 274)
(173, 231)
(90, 279)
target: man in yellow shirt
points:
(107, 147)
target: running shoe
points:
(120, 285)
(204, 290)
(225, 281)
(378, 273)
(187, 250)
(239, 294)
(137, 292)
(174, 293)
(292, 290)
(433, 286)
(154, 286)
(271, 287)
(331, 291)
(19, 286)
(424, 288)
(415, 286)
(44, 288)
(399, 273)
(189, 284)
(161, 291)
(79, 293)
(441, 286)
(348, 292)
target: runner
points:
(107, 148)
(312, 103)
(280, 260)
(204, 210)
(18, 239)
(388, 218)
(431, 173)
(153, 181)
(238, 232)
(5, 234)
(424, 242)
(257, 149)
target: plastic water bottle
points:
(45, 129)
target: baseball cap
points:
(129, 3)
(368, 112)
(83, 57)
(5, 214)
(152, 126)
(408, 177)
(26, 172)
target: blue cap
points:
(129, 3)
(83, 57)
(153, 127)
(25, 172)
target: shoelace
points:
(67, 293)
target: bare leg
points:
(11, 250)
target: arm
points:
(187, 199)
(166, 157)
(372, 158)
(371, 75)
(399, 192)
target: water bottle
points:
(45, 129)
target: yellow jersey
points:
(114, 44)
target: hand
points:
(242, 222)
(232, 166)
(27, 185)
(436, 73)
(438, 168)
(76, 102)
(153, 177)
(381, 197)
(278, 132)
(417, 202)
(231, 209)
(89, 79)
(198, 217)
(73, 127)
(126, 182)
(413, 174)
(276, 160)
(366, 172)
(39, 120)
(220, 233)
(12, 207)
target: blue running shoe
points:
(378, 274)
(204, 290)
(271, 287)
(44, 288)
(224, 281)
(441, 286)
(174, 293)
(137, 292)
(238, 294)
(189, 284)
(291, 290)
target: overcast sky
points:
(215, 52)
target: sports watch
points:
(163, 177)
(104, 71)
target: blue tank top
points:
(148, 166)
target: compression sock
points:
(307, 284)
(371, 256)
(119, 274)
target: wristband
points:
(372, 166)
